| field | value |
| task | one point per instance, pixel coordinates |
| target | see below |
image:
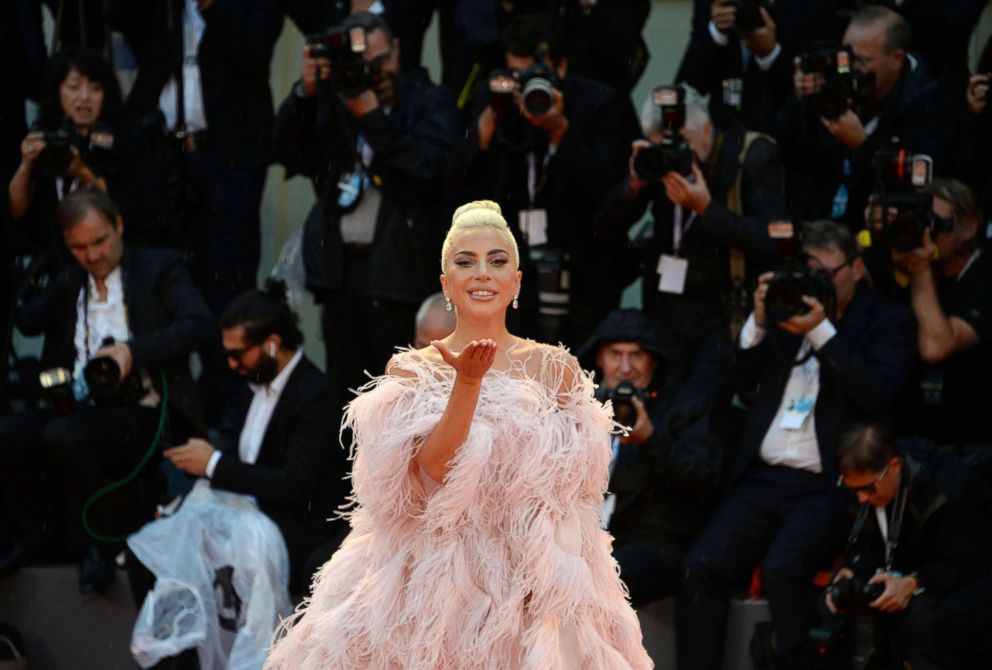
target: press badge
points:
(797, 412)
(672, 272)
(534, 225)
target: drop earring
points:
(516, 303)
(447, 304)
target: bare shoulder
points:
(554, 366)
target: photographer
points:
(547, 145)
(119, 329)
(80, 139)
(705, 178)
(665, 470)
(855, 99)
(950, 292)
(740, 53)
(820, 351)
(919, 558)
(374, 142)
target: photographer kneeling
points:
(665, 470)
(916, 570)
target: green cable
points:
(113, 486)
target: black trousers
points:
(791, 523)
(650, 567)
(361, 332)
(50, 465)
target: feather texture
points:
(503, 565)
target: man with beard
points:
(285, 455)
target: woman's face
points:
(81, 98)
(481, 277)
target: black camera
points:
(623, 401)
(537, 85)
(345, 48)
(103, 377)
(502, 89)
(842, 84)
(748, 18)
(53, 161)
(854, 593)
(786, 289)
(899, 177)
(673, 152)
(553, 280)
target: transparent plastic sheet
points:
(289, 268)
(222, 573)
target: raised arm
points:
(434, 457)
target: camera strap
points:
(679, 230)
(895, 523)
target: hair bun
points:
(276, 289)
(476, 204)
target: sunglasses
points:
(867, 489)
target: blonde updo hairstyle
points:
(474, 215)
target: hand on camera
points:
(843, 573)
(553, 122)
(636, 185)
(873, 214)
(32, 145)
(847, 129)
(694, 195)
(763, 40)
(916, 262)
(121, 354)
(486, 126)
(474, 360)
(897, 594)
(315, 71)
(723, 14)
(760, 291)
(803, 83)
(642, 429)
(192, 457)
(977, 93)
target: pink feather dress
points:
(502, 567)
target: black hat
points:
(622, 325)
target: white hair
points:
(697, 113)
(473, 215)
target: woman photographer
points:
(81, 139)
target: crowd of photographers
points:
(805, 209)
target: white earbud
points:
(272, 349)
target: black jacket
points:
(591, 157)
(299, 476)
(917, 112)
(233, 56)
(706, 244)
(317, 137)
(664, 486)
(945, 535)
(706, 65)
(166, 314)
(862, 372)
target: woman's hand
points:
(474, 360)
(31, 147)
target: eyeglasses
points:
(827, 272)
(868, 489)
(237, 354)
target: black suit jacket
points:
(166, 314)
(706, 64)
(862, 372)
(233, 56)
(299, 476)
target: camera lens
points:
(538, 96)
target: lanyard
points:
(895, 525)
(533, 186)
(678, 231)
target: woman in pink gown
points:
(479, 468)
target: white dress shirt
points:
(196, 118)
(259, 414)
(98, 319)
(764, 62)
(794, 448)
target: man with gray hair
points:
(434, 321)
(842, 355)
(710, 227)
